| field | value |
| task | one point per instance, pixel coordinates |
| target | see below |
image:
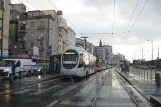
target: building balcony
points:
(23, 49)
(41, 27)
(21, 40)
(40, 38)
(41, 48)
(22, 31)
(21, 34)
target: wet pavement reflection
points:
(66, 93)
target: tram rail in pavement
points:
(132, 89)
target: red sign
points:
(39, 57)
(35, 57)
(23, 56)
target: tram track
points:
(128, 90)
(137, 98)
(97, 94)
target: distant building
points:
(5, 15)
(100, 43)
(99, 52)
(104, 52)
(117, 58)
(71, 40)
(89, 46)
(45, 30)
(16, 12)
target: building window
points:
(51, 25)
(21, 46)
(23, 26)
(41, 34)
(41, 23)
(32, 34)
(40, 53)
(32, 25)
(41, 44)
(32, 44)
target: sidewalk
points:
(144, 85)
(24, 82)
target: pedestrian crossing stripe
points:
(65, 90)
(44, 90)
(102, 104)
(22, 91)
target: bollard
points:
(144, 73)
(157, 84)
(147, 75)
(20, 75)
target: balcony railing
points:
(41, 27)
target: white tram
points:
(75, 61)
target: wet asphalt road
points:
(71, 93)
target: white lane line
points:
(76, 103)
(22, 91)
(30, 86)
(44, 90)
(65, 90)
(53, 103)
(85, 91)
(104, 104)
(89, 80)
(107, 104)
(105, 92)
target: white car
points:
(21, 66)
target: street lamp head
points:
(84, 37)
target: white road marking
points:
(98, 104)
(75, 103)
(30, 86)
(65, 90)
(22, 91)
(53, 103)
(105, 92)
(85, 90)
(44, 90)
(89, 80)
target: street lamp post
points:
(2, 7)
(85, 44)
(152, 55)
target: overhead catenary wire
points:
(138, 16)
(113, 17)
(31, 4)
(132, 15)
(63, 15)
(53, 4)
(95, 33)
(26, 6)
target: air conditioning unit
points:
(40, 38)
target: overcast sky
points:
(96, 16)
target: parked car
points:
(41, 68)
(21, 66)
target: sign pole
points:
(2, 7)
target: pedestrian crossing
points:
(22, 91)
(65, 90)
(44, 90)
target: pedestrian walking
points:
(157, 83)
(121, 65)
(13, 67)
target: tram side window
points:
(80, 62)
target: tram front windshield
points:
(70, 57)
